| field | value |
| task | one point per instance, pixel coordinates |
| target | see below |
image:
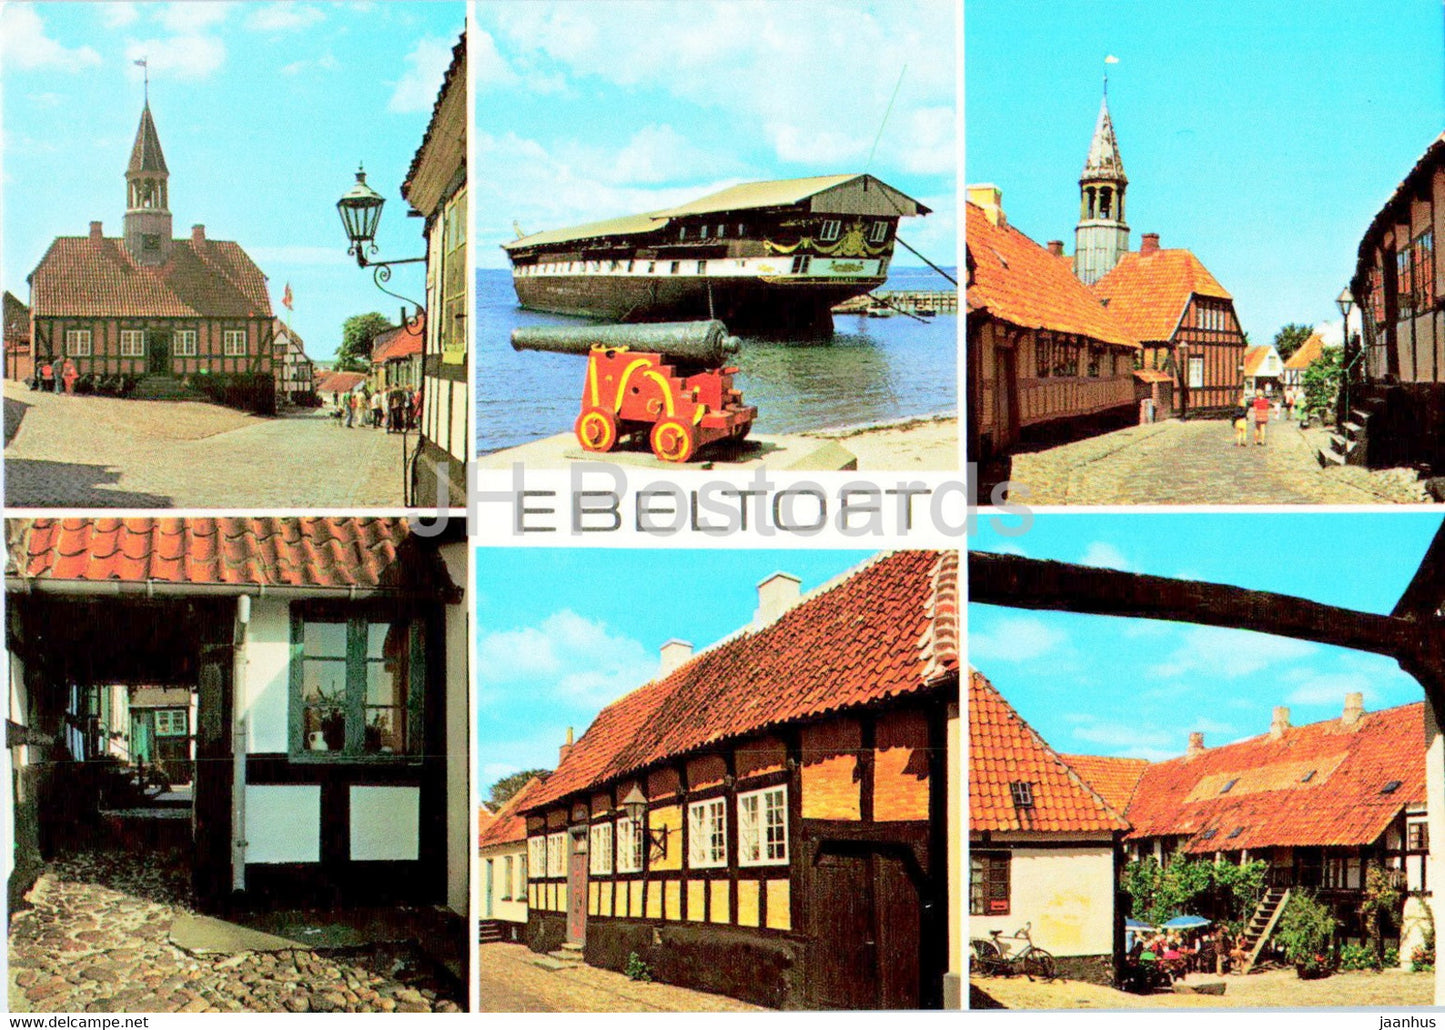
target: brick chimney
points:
(776, 594)
(1279, 723)
(1056, 248)
(989, 197)
(1196, 744)
(95, 234)
(674, 653)
(1354, 708)
(562, 751)
(198, 235)
(1149, 243)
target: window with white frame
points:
(132, 343)
(233, 343)
(599, 861)
(878, 232)
(763, 826)
(830, 231)
(183, 343)
(522, 863)
(537, 856)
(507, 872)
(557, 854)
(707, 836)
(629, 845)
(77, 343)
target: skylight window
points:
(1390, 787)
(1307, 776)
(1228, 786)
(1208, 834)
(1235, 832)
(1023, 794)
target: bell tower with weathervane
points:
(147, 199)
(1101, 238)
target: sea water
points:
(872, 370)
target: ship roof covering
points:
(883, 631)
(748, 196)
(1017, 281)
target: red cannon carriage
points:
(666, 380)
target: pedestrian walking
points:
(1241, 422)
(350, 410)
(378, 403)
(1261, 416)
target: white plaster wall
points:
(460, 835)
(515, 910)
(385, 824)
(283, 824)
(266, 704)
(1414, 922)
(1068, 895)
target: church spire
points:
(147, 189)
(1101, 238)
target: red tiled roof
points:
(485, 819)
(1017, 281)
(339, 382)
(87, 278)
(1003, 749)
(17, 318)
(1114, 779)
(508, 826)
(398, 342)
(887, 629)
(1148, 292)
(1270, 801)
(1309, 352)
(319, 552)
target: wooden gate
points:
(865, 921)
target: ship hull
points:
(783, 306)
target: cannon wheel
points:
(596, 429)
(672, 440)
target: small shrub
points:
(1305, 932)
(638, 969)
(1357, 956)
(1422, 959)
(1392, 957)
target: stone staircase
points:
(568, 956)
(1349, 442)
(165, 388)
(489, 931)
(1262, 923)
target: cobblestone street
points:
(95, 939)
(104, 452)
(1197, 463)
(509, 982)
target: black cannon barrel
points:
(703, 343)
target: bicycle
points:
(991, 957)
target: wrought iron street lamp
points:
(1345, 302)
(360, 210)
(635, 805)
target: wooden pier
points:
(939, 302)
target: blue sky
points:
(1135, 687)
(1262, 136)
(263, 110)
(565, 631)
(592, 110)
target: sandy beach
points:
(926, 444)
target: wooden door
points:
(865, 920)
(158, 353)
(1006, 392)
(487, 914)
(577, 889)
(211, 818)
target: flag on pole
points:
(286, 298)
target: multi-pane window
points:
(172, 722)
(702, 267)
(629, 845)
(507, 873)
(132, 343)
(233, 343)
(988, 883)
(521, 876)
(1417, 837)
(453, 280)
(801, 264)
(1196, 373)
(600, 856)
(707, 834)
(183, 342)
(830, 230)
(878, 232)
(1377, 294)
(537, 855)
(77, 343)
(763, 827)
(1422, 269)
(356, 684)
(557, 854)
(1404, 285)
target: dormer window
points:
(1023, 794)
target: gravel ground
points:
(1275, 988)
(509, 982)
(95, 939)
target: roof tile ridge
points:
(939, 642)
